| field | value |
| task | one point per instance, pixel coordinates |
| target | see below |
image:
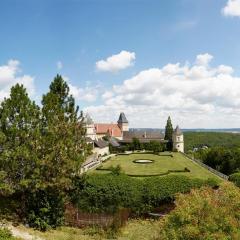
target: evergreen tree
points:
(168, 130)
(19, 139)
(63, 140)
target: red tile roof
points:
(108, 128)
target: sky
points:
(149, 58)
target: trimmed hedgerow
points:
(108, 192)
(235, 178)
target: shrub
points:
(5, 234)
(204, 214)
(235, 178)
(45, 209)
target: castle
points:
(119, 134)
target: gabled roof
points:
(178, 131)
(122, 118)
(110, 129)
(150, 135)
(113, 142)
(101, 143)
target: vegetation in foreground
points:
(110, 192)
(41, 152)
(202, 214)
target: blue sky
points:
(77, 34)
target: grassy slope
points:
(134, 229)
(161, 165)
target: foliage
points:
(210, 139)
(5, 234)
(161, 189)
(108, 193)
(235, 178)
(135, 145)
(19, 139)
(222, 159)
(204, 214)
(168, 130)
(41, 151)
(63, 142)
(45, 208)
(116, 170)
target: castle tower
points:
(123, 123)
(90, 129)
(178, 140)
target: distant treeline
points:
(210, 139)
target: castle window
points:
(178, 138)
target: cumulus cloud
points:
(232, 8)
(10, 74)
(59, 65)
(87, 93)
(116, 62)
(192, 93)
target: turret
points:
(90, 129)
(123, 123)
(178, 140)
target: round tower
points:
(123, 123)
(178, 140)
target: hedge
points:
(108, 193)
(235, 178)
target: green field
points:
(162, 164)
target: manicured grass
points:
(161, 164)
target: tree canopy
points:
(168, 130)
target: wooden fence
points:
(77, 218)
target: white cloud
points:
(204, 59)
(196, 95)
(116, 62)
(232, 8)
(87, 93)
(10, 75)
(59, 65)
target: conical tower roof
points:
(122, 118)
(178, 131)
(88, 120)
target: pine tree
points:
(63, 141)
(20, 132)
(168, 130)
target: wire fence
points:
(214, 171)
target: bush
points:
(204, 214)
(45, 209)
(107, 193)
(5, 234)
(235, 178)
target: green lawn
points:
(160, 165)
